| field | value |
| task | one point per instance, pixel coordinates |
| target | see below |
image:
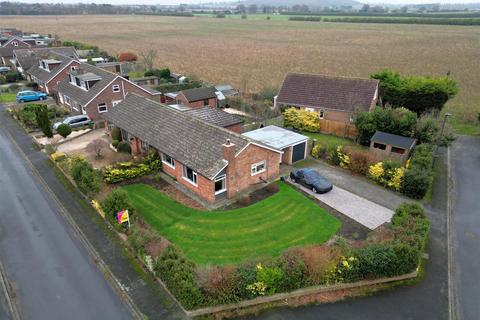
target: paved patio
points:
(365, 212)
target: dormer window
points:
(116, 88)
(15, 43)
(73, 68)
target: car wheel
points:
(22, 101)
(43, 98)
(314, 190)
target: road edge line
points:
(11, 305)
(452, 312)
(102, 266)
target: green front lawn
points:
(266, 228)
(7, 97)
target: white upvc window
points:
(102, 107)
(73, 68)
(220, 184)
(116, 88)
(67, 100)
(168, 160)
(259, 167)
(322, 114)
(310, 109)
(190, 175)
(114, 103)
(15, 43)
(145, 146)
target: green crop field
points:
(259, 52)
(266, 228)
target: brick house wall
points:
(50, 87)
(181, 99)
(238, 128)
(108, 96)
(287, 155)
(239, 177)
(205, 187)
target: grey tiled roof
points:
(46, 76)
(328, 92)
(196, 94)
(393, 139)
(215, 116)
(191, 141)
(26, 58)
(82, 96)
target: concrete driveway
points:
(365, 212)
(82, 141)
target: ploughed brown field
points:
(260, 52)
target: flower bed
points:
(128, 170)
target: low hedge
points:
(87, 178)
(128, 170)
(418, 177)
(123, 171)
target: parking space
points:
(365, 212)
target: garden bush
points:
(124, 171)
(268, 280)
(85, 176)
(334, 155)
(43, 122)
(115, 143)
(64, 130)
(153, 160)
(294, 270)
(416, 93)
(124, 146)
(360, 161)
(116, 201)
(319, 151)
(388, 174)
(219, 284)
(319, 260)
(398, 121)
(28, 115)
(418, 177)
(178, 274)
(302, 120)
(115, 133)
(12, 77)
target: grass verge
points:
(7, 97)
(266, 228)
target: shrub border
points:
(251, 303)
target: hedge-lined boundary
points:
(297, 294)
(439, 21)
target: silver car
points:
(74, 121)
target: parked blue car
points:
(24, 96)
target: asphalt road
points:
(466, 217)
(51, 274)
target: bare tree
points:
(148, 58)
(97, 146)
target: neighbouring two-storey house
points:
(11, 43)
(211, 161)
(50, 69)
(93, 91)
(24, 59)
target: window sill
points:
(220, 191)
(168, 164)
(189, 181)
(254, 174)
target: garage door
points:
(298, 152)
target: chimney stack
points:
(228, 151)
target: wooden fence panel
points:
(338, 128)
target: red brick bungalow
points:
(197, 97)
(93, 91)
(211, 161)
(6, 50)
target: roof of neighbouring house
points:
(151, 90)
(276, 137)
(215, 116)
(44, 75)
(393, 139)
(26, 58)
(190, 140)
(80, 95)
(327, 92)
(196, 94)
